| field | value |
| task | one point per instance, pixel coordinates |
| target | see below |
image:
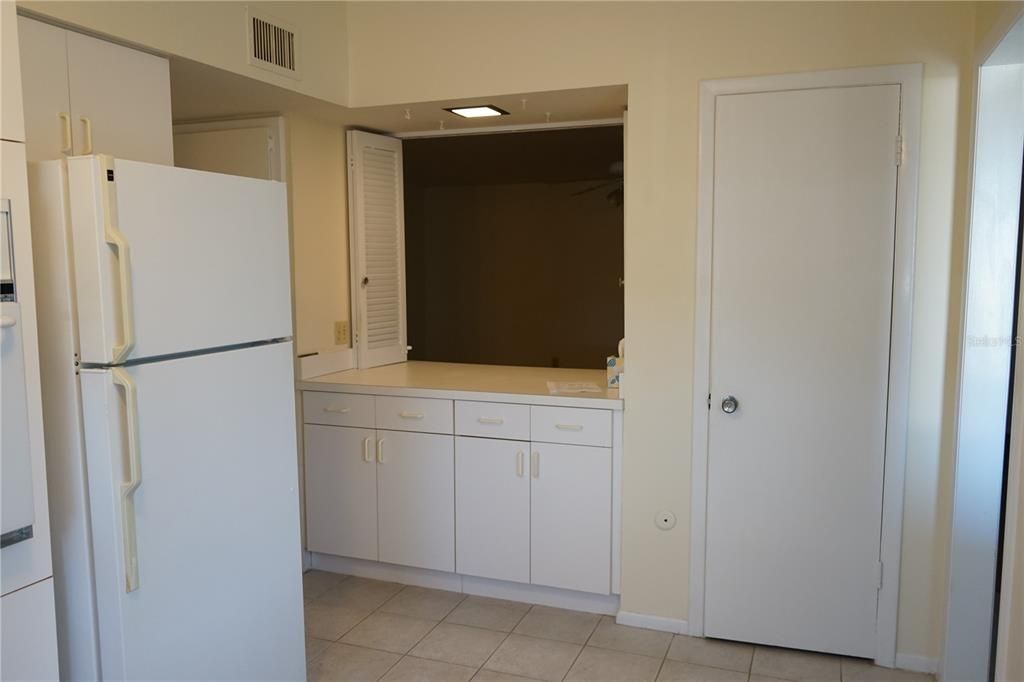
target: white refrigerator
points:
(168, 391)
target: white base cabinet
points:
(29, 638)
(341, 491)
(570, 523)
(427, 491)
(492, 508)
(416, 499)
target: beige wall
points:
(214, 33)
(319, 209)
(662, 51)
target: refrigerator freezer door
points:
(171, 260)
(212, 528)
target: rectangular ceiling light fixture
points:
(477, 111)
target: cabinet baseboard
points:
(483, 587)
(642, 620)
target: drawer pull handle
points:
(411, 415)
(569, 427)
(338, 410)
(535, 465)
(380, 451)
(520, 457)
(491, 420)
(366, 450)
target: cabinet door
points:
(29, 634)
(341, 491)
(12, 116)
(44, 78)
(416, 499)
(571, 519)
(124, 96)
(492, 508)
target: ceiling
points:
(1011, 49)
(201, 92)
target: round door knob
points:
(729, 404)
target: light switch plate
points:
(341, 333)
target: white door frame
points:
(908, 77)
(277, 155)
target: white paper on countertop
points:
(568, 387)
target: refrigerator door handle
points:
(128, 538)
(114, 237)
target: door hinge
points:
(709, 401)
(900, 151)
(878, 575)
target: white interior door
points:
(802, 267)
(416, 499)
(377, 235)
(217, 590)
(492, 508)
(120, 100)
(341, 491)
(208, 267)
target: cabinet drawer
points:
(573, 425)
(337, 409)
(414, 414)
(492, 420)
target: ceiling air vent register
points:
(273, 45)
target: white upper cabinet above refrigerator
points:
(170, 260)
(89, 96)
(12, 119)
(120, 101)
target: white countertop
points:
(457, 381)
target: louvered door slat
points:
(378, 242)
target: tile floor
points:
(360, 629)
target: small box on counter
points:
(615, 367)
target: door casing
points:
(909, 78)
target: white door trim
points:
(278, 156)
(908, 77)
(517, 128)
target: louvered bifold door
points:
(377, 229)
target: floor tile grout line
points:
(661, 667)
(582, 648)
(505, 639)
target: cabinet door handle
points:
(380, 451)
(338, 410)
(491, 420)
(519, 463)
(411, 415)
(569, 427)
(366, 450)
(65, 119)
(535, 464)
(87, 129)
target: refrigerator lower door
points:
(172, 260)
(193, 485)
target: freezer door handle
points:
(134, 466)
(114, 237)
